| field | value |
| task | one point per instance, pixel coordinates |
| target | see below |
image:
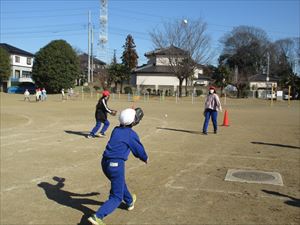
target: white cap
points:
(127, 116)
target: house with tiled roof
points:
(261, 84)
(98, 65)
(157, 73)
(21, 63)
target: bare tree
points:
(186, 45)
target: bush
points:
(128, 90)
(199, 92)
(97, 88)
(86, 89)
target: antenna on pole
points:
(103, 38)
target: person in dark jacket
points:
(101, 115)
(123, 140)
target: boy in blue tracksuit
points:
(123, 140)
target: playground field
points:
(51, 175)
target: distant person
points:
(212, 106)
(62, 94)
(123, 140)
(38, 94)
(26, 95)
(101, 115)
(44, 94)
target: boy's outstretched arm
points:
(137, 148)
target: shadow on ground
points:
(276, 145)
(55, 193)
(292, 202)
(179, 130)
(80, 133)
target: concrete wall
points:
(158, 80)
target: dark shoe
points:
(204, 133)
(215, 132)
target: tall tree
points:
(284, 58)
(129, 56)
(56, 66)
(5, 69)
(129, 60)
(186, 44)
(114, 59)
(118, 73)
(244, 52)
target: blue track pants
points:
(97, 127)
(114, 170)
(214, 116)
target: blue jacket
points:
(122, 141)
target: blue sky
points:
(30, 25)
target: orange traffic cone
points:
(225, 121)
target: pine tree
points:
(129, 56)
(114, 59)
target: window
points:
(17, 59)
(26, 74)
(17, 73)
(28, 61)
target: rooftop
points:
(14, 50)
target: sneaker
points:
(89, 136)
(204, 133)
(95, 220)
(131, 206)
(215, 132)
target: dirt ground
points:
(50, 173)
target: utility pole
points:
(268, 65)
(92, 54)
(236, 73)
(89, 49)
(268, 78)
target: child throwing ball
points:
(123, 140)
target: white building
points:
(21, 65)
(157, 73)
(262, 85)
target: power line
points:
(43, 10)
(135, 18)
(42, 26)
(44, 16)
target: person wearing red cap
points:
(212, 106)
(101, 115)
